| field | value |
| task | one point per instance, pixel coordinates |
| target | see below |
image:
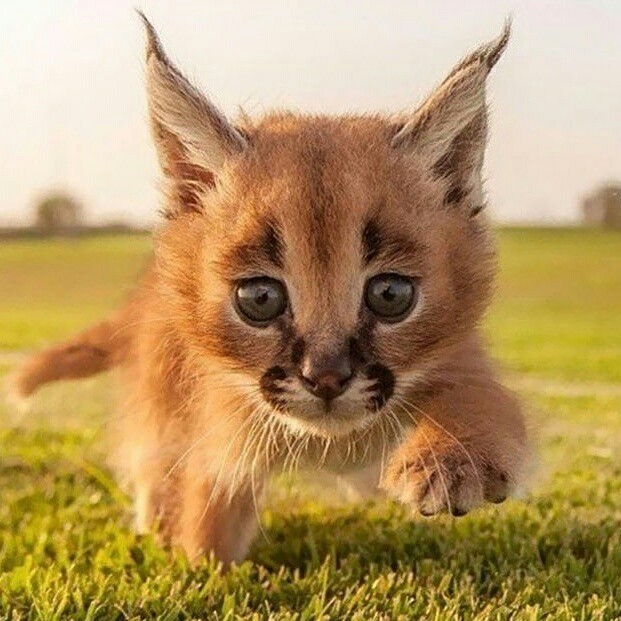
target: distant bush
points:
(58, 212)
(603, 206)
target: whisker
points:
(439, 471)
(216, 484)
(200, 439)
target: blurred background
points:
(73, 104)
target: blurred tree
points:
(58, 212)
(603, 206)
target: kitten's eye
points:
(260, 300)
(391, 296)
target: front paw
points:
(449, 478)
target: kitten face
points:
(324, 266)
(371, 276)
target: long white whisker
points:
(223, 464)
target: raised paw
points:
(448, 479)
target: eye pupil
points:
(391, 296)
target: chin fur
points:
(327, 423)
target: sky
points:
(73, 107)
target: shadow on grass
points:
(494, 547)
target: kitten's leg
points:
(360, 484)
(148, 495)
(468, 446)
(216, 521)
(144, 513)
(131, 455)
(156, 504)
(137, 458)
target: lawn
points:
(67, 551)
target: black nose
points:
(326, 377)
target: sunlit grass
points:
(49, 288)
(66, 547)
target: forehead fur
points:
(321, 180)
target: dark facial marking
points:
(361, 349)
(297, 351)
(388, 245)
(267, 247)
(454, 195)
(273, 245)
(371, 242)
(287, 334)
(270, 386)
(355, 351)
(384, 385)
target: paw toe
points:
(496, 485)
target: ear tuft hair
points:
(487, 54)
(153, 41)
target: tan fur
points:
(97, 349)
(322, 204)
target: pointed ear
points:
(192, 137)
(448, 132)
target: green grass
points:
(558, 304)
(50, 288)
(67, 551)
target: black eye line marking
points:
(271, 389)
(297, 351)
(371, 241)
(268, 247)
(389, 246)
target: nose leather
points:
(326, 377)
